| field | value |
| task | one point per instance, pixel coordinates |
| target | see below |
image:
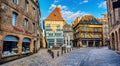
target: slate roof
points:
(88, 19)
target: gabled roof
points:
(55, 15)
(88, 19)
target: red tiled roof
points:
(55, 15)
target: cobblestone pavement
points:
(78, 57)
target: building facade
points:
(113, 8)
(74, 24)
(88, 32)
(68, 34)
(104, 21)
(18, 20)
(53, 26)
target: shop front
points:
(10, 46)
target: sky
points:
(71, 9)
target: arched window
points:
(10, 45)
(26, 45)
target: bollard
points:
(57, 53)
(52, 54)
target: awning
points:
(11, 38)
(26, 40)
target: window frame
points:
(14, 18)
(33, 27)
(25, 23)
(26, 5)
(15, 2)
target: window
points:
(50, 34)
(85, 35)
(33, 27)
(95, 29)
(25, 24)
(34, 11)
(14, 18)
(57, 34)
(26, 5)
(85, 28)
(26, 45)
(15, 1)
(96, 36)
(10, 46)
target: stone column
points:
(1, 46)
(100, 43)
(111, 42)
(80, 44)
(118, 41)
(115, 41)
(32, 46)
(20, 46)
(93, 43)
(87, 43)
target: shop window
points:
(26, 45)
(84, 42)
(10, 46)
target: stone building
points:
(68, 34)
(88, 32)
(104, 21)
(18, 20)
(53, 26)
(113, 8)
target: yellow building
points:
(88, 32)
(53, 26)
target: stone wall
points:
(6, 27)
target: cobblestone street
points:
(77, 57)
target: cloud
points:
(84, 1)
(53, 6)
(102, 4)
(70, 15)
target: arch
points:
(26, 45)
(10, 45)
(116, 40)
(113, 41)
(10, 38)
